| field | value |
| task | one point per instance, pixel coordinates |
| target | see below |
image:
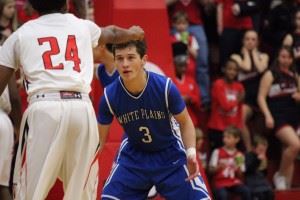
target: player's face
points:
(129, 63)
(297, 19)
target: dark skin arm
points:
(15, 100)
(5, 75)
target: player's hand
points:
(137, 32)
(296, 96)
(193, 167)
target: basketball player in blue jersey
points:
(149, 108)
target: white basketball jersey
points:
(55, 52)
(5, 102)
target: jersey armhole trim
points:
(108, 103)
(166, 92)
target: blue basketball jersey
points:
(105, 78)
(146, 118)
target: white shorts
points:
(6, 147)
(59, 139)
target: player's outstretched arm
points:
(115, 34)
(188, 135)
(5, 75)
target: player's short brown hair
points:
(140, 45)
(48, 6)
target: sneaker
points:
(279, 182)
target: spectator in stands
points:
(201, 154)
(278, 96)
(226, 110)
(252, 63)
(8, 20)
(293, 39)
(227, 165)
(191, 7)
(26, 13)
(187, 86)
(181, 34)
(256, 170)
(278, 24)
(231, 28)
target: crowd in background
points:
(235, 61)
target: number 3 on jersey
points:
(147, 136)
(71, 53)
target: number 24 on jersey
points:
(71, 53)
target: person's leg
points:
(126, 184)
(290, 140)
(242, 190)
(40, 150)
(202, 68)
(246, 114)
(172, 185)
(6, 151)
(79, 171)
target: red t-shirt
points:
(226, 177)
(188, 87)
(225, 110)
(231, 21)
(191, 7)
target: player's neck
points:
(137, 85)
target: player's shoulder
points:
(113, 86)
(155, 77)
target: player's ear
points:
(144, 59)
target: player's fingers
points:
(192, 176)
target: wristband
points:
(191, 152)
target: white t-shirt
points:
(55, 52)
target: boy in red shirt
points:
(227, 165)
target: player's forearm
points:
(187, 129)
(103, 132)
(115, 34)
(5, 75)
(16, 112)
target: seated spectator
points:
(8, 19)
(227, 98)
(227, 165)
(26, 13)
(278, 98)
(181, 34)
(256, 170)
(293, 39)
(252, 63)
(187, 86)
(193, 9)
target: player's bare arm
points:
(16, 112)
(5, 75)
(115, 34)
(188, 135)
(103, 132)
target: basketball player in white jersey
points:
(59, 136)
(8, 100)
